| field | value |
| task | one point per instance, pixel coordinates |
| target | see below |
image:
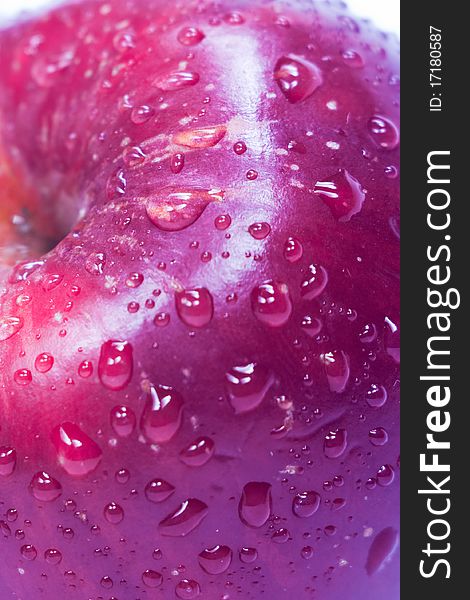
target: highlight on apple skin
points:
(199, 303)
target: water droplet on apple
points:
(177, 80)
(174, 209)
(293, 250)
(337, 369)
(255, 503)
(280, 536)
(29, 552)
(162, 414)
(307, 552)
(77, 453)
(247, 386)
(271, 303)
(133, 156)
(85, 369)
(158, 490)
(44, 487)
(378, 436)
(381, 549)
(152, 579)
(184, 519)
(297, 78)
(23, 377)
(52, 556)
(205, 137)
(251, 174)
(392, 339)
(7, 460)
(9, 326)
(215, 560)
(311, 325)
(44, 362)
(95, 263)
(187, 589)
(335, 443)
(352, 59)
(113, 513)
(177, 163)
(385, 475)
(384, 132)
(195, 307)
(115, 364)
(305, 504)
(198, 452)
(190, 36)
(314, 282)
(222, 222)
(22, 271)
(122, 475)
(259, 231)
(106, 582)
(116, 185)
(123, 420)
(248, 555)
(239, 148)
(161, 319)
(343, 195)
(141, 114)
(376, 395)
(51, 281)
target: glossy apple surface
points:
(199, 344)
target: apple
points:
(199, 334)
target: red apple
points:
(199, 347)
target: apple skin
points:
(100, 106)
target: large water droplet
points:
(376, 395)
(176, 81)
(271, 303)
(195, 307)
(378, 436)
(44, 487)
(158, 490)
(141, 114)
(51, 281)
(95, 263)
(198, 452)
(116, 185)
(313, 282)
(187, 589)
(222, 222)
(280, 536)
(29, 552)
(133, 156)
(85, 369)
(259, 231)
(381, 549)
(342, 193)
(23, 270)
(23, 377)
(204, 137)
(77, 453)
(184, 519)
(215, 560)
(305, 504)
(123, 420)
(335, 443)
(311, 325)
(336, 365)
(44, 362)
(177, 163)
(353, 59)
(116, 364)
(52, 556)
(296, 77)
(174, 209)
(9, 326)
(385, 475)
(293, 250)
(7, 460)
(248, 555)
(384, 132)
(247, 385)
(190, 36)
(113, 513)
(255, 504)
(162, 414)
(151, 578)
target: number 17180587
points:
(435, 67)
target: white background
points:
(384, 13)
